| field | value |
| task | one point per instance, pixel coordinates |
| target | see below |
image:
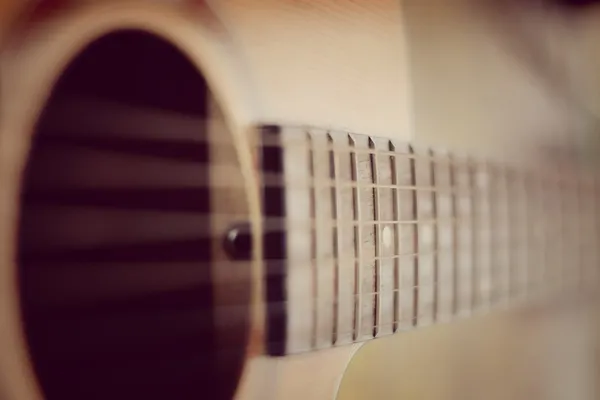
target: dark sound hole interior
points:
(114, 243)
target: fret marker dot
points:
(386, 236)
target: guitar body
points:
(280, 66)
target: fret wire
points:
(488, 226)
(526, 262)
(579, 205)
(397, 248)
(475, 276)
(494, 231)
(570, 272)
(506, 220)
(377, 217)
(434, 211)
(558, 262)
(357, 240)
(455, 285)
(538, 206)
(556, 249)
(518, 235)
(445, 234)
(513, 232)
(563, 240)
(544, 196)
(313, 240)
(568, 269)
(336, 208)
(588, 232)
(584, 230)
(413, 177)
(531, 256)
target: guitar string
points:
(360, 185)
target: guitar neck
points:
(377, 237)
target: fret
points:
(554, 237)
(512, 232)
(415, 216)
(505, 236)
(464, 210)
(377, 240)
(455, 241)
(481, 231)
(569, 266)
(396, 236)
(475, 272)
(525, 263)
(385, 239)
(364, 267)
(357, 243)
(563, 238)
(579, 239)
(445, 237)
(368, 242)
(346, 239)
(313, 243)
(336, 242)
(541, 231)
(425, 242)
(515, 236)
(495, 251)
(486, 183)
(325, 268)
(405, 238)
(300, 243)
(572, 271)
(435, 236)
(575, 224)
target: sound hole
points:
(115, 237)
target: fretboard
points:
(380, 237)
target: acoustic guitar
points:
(182, 218)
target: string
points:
(422, 319)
